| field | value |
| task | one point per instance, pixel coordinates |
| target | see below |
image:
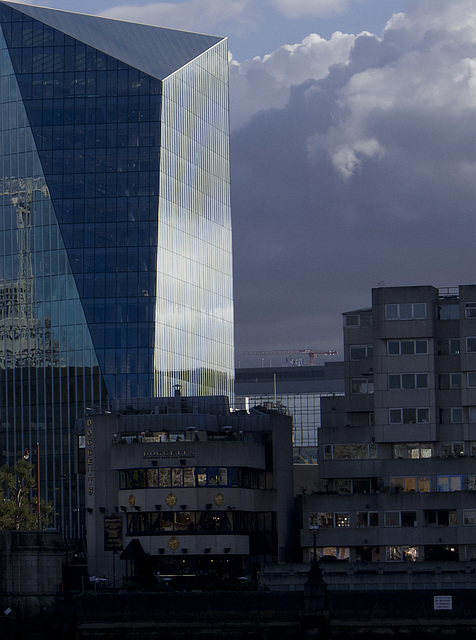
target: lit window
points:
(412, 451)
(449, 483)
(410, 484)
(342, 520)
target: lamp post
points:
(26, 456)
(38, 481)
(314, 528)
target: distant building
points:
(397, 454)
(297, 389)
(181, 485)
(115, 227)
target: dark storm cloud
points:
(365, 174)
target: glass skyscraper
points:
(115, 230)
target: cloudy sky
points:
(353, 152)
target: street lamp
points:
(314, 528)
(26, 457)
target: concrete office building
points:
(115, 231)
(397, 453)
(297, 389)
(181, 485)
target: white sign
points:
(442, 602)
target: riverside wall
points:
(30, 573)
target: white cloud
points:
(311, 8)
(365, 173)
(191, 15)
(265, 83)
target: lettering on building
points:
(89, 456)
(176, 453)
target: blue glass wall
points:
(115, 236)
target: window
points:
(405, 484)
(448, 347)
(328, 520)
(343, 485)
(348, 486)
(408, 381)
(401, 554)
(392, 518)
(440, 517)
(451, 449)
(362, 319)
(360, 351)
(367, 554)
(469, 517)
(408, 518)
(448, 312)
(450, 380)
(470, 310)
(313, 521)
(449, 483)
(409, 415)
(471, 378)
(352, 451)
(416, 311)
(471, 345)
(472, 414)
(407, 347)
(342, 520)
(367, 519)
(456, 415)
(340, 553)
(363, 386)
(412, 451)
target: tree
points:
(18, 508)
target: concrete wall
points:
(30, 571)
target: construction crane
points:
(311, 353)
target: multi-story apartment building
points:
(115, 227)
(397, 454)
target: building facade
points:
(297, 389)
(397, 454)
(182, 486)
(115, 231)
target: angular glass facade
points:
(115, 230)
